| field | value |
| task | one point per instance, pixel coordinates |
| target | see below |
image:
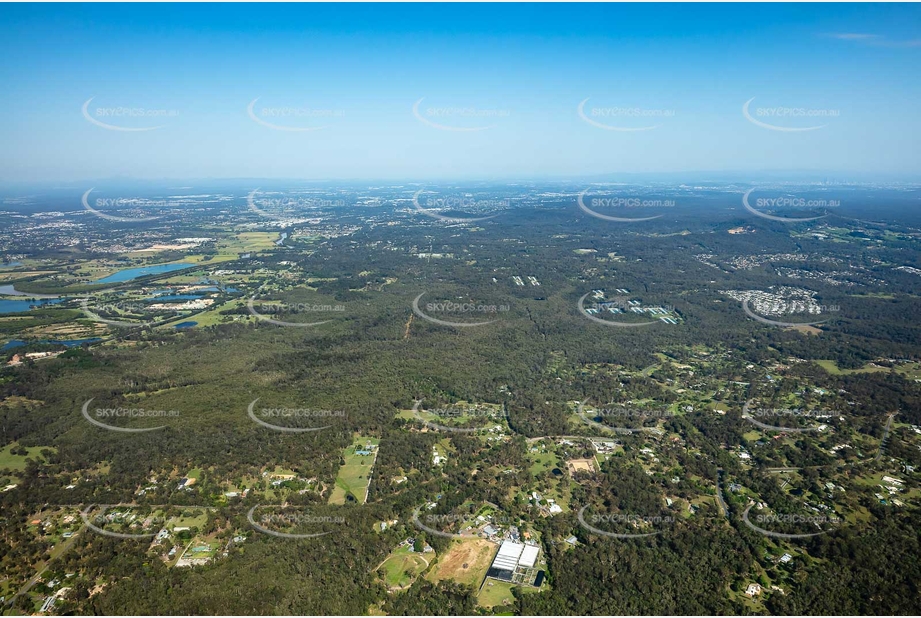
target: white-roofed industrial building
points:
(528, 556)
(510, 561)
(507, 558)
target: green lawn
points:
(831, 367)
(202, 547)
(542, 462)
(403, 566)
(210, 316)
(354, 475)
(495, 593)
(189, 521)
(910, 370)
(18, 462)
(545, 462)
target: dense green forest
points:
(537, 363)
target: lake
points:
(173, 297)
(9, 290)
(70, 343)
(133, 273)
(21, 306)
(188, 324)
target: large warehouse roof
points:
(507, 558)
(529, 556)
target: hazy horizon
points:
(428, 92)
(727, 177)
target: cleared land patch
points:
(581, 465)
(466, 562)
(14, 461)
(355, 474)
(402, 567)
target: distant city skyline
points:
(445, 92)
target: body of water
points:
(21, 306)
(11, 265)
(215, 288)
(133, 273)
(173, 297)
(70, 343)
(9, 290)
(187, 324)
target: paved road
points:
(719, 494)
(777, 535)
(531, 440)
(882, 442)
(60, 551)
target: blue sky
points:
(500, 87)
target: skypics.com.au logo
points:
(291, 119)
(433, 205)
(298, 414)
(758, 415)
(283, 308)
(621, 202)
(623, 119)
(469, 521)
(634, 413)
(784, 119)
(269, 523)
(128, 413)
(464, 413)
(457, 308)
(121, 203)
(625, 520)
(120, 118)
(784, 203)
(121, 520)
(459, 119)
(758, 318)
(580, 305)
(622, 415)
(794, 520)
(289, 207)
(120, 308)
